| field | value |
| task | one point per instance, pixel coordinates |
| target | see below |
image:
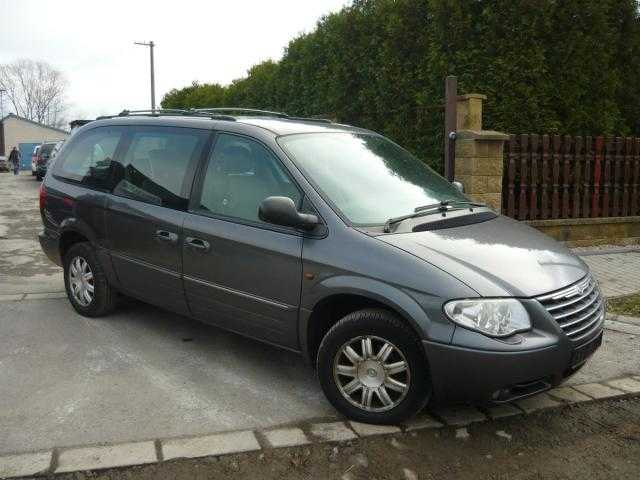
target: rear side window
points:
(154, 167)
(88, 159)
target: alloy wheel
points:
(81, 281)
(371, 373)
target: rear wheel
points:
(372, 368)
(87, 286)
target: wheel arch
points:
(348, 294)
(73, 231)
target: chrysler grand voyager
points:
(324, 239)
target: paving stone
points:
(11, 298)
(286, 437)
(218, 444)
(460, 415)
(622, 327)
(42, 296)
(366, 429)
(332, 432)
(538, 402)
(25, 465)
(108, 456)
(569, 394)
(598, 390)
(503, 410)
(422, 421)
(626, 384)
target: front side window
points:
(88, 159)
(155, 165)
(367, 177)
(240, 174)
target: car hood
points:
(499, 257)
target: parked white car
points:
(34, 160)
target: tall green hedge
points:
(548, 66)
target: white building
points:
(25, 134)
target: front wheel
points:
(372, 368)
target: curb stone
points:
(366, 429)
(625, 384)
(539, 402)
(101, 457)
(11, 297)
(569, 395)
(210, 445)
(459, 416)
(137, 453)
(285, 437)
(332, 432)
(598, 390)
(25, 464)
(503, 410)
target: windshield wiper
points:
(440, 207)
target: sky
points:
(92, 43)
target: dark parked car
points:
(45, 153)
(324, 239)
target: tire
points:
(104, 297)
(38, 177)
(380, 327)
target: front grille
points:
(578, 308)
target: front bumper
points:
(470, 374)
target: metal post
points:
(450, 116)
(2, 92)
(153, 82)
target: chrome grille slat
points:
(565, 293)
(575, 311)
(571, 302)
(583, 318)
(587, 307)
(587, 325)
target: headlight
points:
(493, 317)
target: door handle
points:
(197, 243)
(165, 236)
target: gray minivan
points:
(324, 239)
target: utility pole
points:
(153, 82)
(2, 92)
(450, 114)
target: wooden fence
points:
(554, 176)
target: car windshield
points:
(367, 177)
(46, 148)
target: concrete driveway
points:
(143, 373)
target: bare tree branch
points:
(36, 90)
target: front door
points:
(151, 183)
(239, 272)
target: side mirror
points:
(282, 211)
(458, 185)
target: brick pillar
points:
(479, 161)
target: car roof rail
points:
(243, 110)
(160, 112)
(268, 113)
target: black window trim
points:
(196, 191)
